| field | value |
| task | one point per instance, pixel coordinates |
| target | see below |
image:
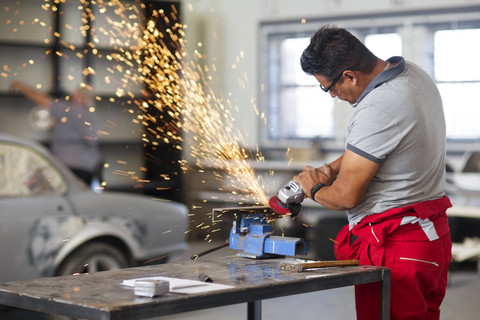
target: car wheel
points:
(93, 257)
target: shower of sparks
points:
(167, 92)
(177, 86)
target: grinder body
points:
(292, 192)
(289, 199)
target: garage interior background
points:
(238, 40)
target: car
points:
(53, 224)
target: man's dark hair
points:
(332, 50)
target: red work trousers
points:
(419, 272)
(414, 243)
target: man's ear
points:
(350, 76)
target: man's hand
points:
(17, 87)
(311, 176)
(37, 97)
(346, 181)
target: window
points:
(297, 110)
(384, 45)
(458, 77)
(303, 110)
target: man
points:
(391, 176)
(75, 134)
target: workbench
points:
(102, 296)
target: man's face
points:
(78, 97)
(342, 88)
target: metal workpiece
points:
(101, 295)
(219, 213)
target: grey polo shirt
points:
(75, 135)
(398, 122)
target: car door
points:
(32, 191)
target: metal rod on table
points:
(198, 255)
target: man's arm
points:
(346, 181)
(335, 167)
(37, 97)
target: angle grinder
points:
(289, 199)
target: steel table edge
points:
(36, 304)
(258, 293)
(252, 295)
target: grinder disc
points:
(278, 206)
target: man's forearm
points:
(335, 165)
(37, 97)
(345, 181)
(333, 198)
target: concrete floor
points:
(461, 301)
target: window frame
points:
(454, 144)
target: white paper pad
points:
(183, 286)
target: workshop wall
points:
(228, 33)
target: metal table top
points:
(101, 295)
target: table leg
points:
(254, 310)
(385, 296)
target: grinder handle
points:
(331, 263)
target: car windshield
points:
(25, 173)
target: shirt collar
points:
(383, 77)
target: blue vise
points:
(251, 234)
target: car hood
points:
(90, 204)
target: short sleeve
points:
(373, 134)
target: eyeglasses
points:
(335, 80)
